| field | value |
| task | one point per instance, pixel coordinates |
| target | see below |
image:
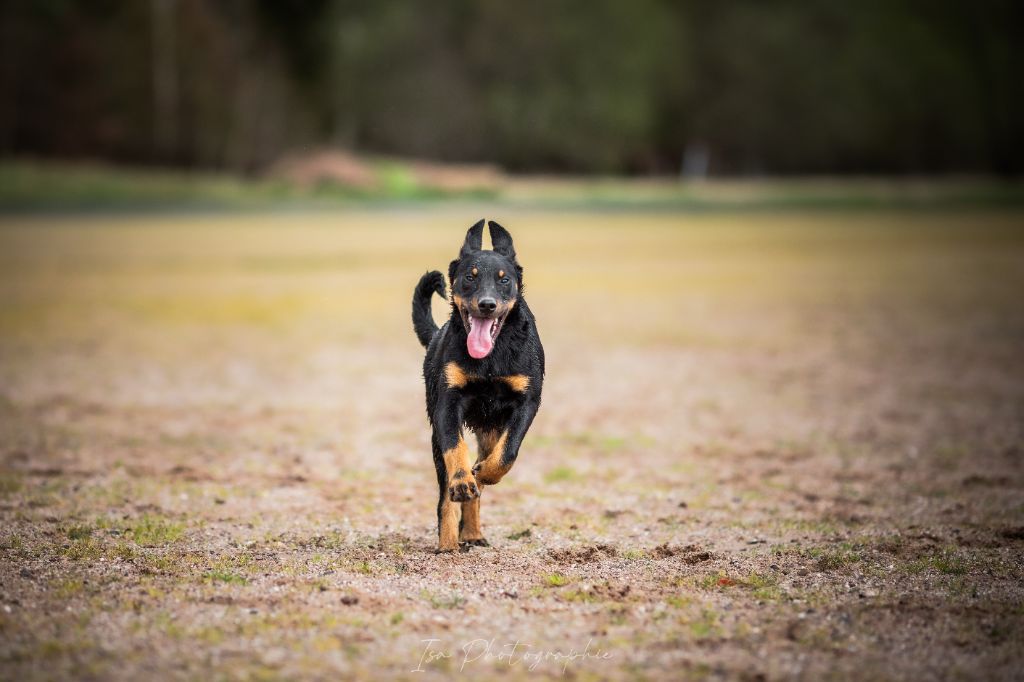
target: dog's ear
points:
(452, 268)
(501, 240)
(474, 240)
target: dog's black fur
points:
(496, 396)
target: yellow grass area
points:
(620, 277)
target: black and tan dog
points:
(484, 369)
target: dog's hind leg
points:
(470, 532)
(469, 526)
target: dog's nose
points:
(487, 305)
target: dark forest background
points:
(602, 86)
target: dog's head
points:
(485, 286)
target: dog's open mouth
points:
(481, 332)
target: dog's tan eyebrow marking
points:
(475, 272)
(456, 377)
(501, 273)
(517, 382)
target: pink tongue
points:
(479, 343)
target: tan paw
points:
(462, 487)
(451, 550)
(476, 542)
(487, 474)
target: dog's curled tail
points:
(422, 319)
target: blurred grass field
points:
(29, 186)
(767, 437)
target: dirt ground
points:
(771, 446)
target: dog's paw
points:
(462, 548)
(463, 487)
(478, 542)
(486, 475)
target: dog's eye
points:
(503, 280)
(468, 278)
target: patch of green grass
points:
(949, 455)
(156, 563)
(949, 562)
(835, 557)
(79, 532)
(705, 625)
(891, 544)
(84, 549)
(634, 554)
(783, 550)
(398, 180)
(53, 648)
(830, 561)
(617, 615)
(556, 580)
(226, 569)
(165, 622)
(602, 443)
(68, 588)
(560, 474)
(578, 596)
(211, 635)
(222, 576)
(397, 618)
(26, 185)
(125, 552)
(715, 581)
(13, 543)
(452, 600)
(519, 535)
(809, 526)
(151, 531)
(10, 483)
(763, 587)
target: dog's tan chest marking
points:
(517, 382)
(455, 376)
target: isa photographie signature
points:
(512, 654)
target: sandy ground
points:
(772, 446)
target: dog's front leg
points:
(503, 454)
(458, 484)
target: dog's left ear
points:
(501, 240)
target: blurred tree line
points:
(745, 86)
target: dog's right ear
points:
(474, 240)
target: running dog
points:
(484, 369)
